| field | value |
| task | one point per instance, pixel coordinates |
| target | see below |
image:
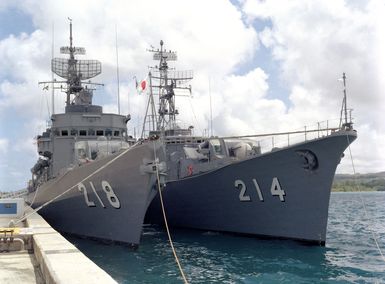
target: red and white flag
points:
(141, 86)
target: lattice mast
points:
(164, 82)
(75, 72)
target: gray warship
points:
(91, 178)
(94, 180)
(233, 184)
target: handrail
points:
(276, 133)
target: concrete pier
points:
(39, 254)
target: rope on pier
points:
(165, 221)
(363, 204)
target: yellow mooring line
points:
(165, 221)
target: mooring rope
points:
(363, 203)
(165, 221)
(69, 189)
(34, 196)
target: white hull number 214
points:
(275, 190)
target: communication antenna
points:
(117, 66)
(211, 109)
(52, 74)
(344, 109)
(345, 100)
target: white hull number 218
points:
(110, 194)
(275, 190)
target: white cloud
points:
(363, 155)
(3, 145)
(314, 42)
(24, 62)
(245, 108)
(237, 102)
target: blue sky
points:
(273, 66)
(14, 21)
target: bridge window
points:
(91, 132)
(108, 132)
(99, 132)
(74, 132)
(82, 133)
(116, 133)
(64, 133)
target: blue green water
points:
(350, 254)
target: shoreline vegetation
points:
(359, 182)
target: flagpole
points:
(117, 65)
(346, 110)
(52, 74)
(211, 110)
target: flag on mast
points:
(141, 86)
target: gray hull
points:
(292, 200)
(114, 213)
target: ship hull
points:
(282, 194)
(108, 199)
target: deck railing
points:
(269, 141)
(272, 141)
(13, 194)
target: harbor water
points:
(350, 254)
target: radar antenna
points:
(75, 72)
(164, 82)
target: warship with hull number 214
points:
(230, 184)
(93, 180)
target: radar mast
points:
(75, 72)
(163, 82)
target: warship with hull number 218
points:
(92, 179)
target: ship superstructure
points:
(83, 132)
